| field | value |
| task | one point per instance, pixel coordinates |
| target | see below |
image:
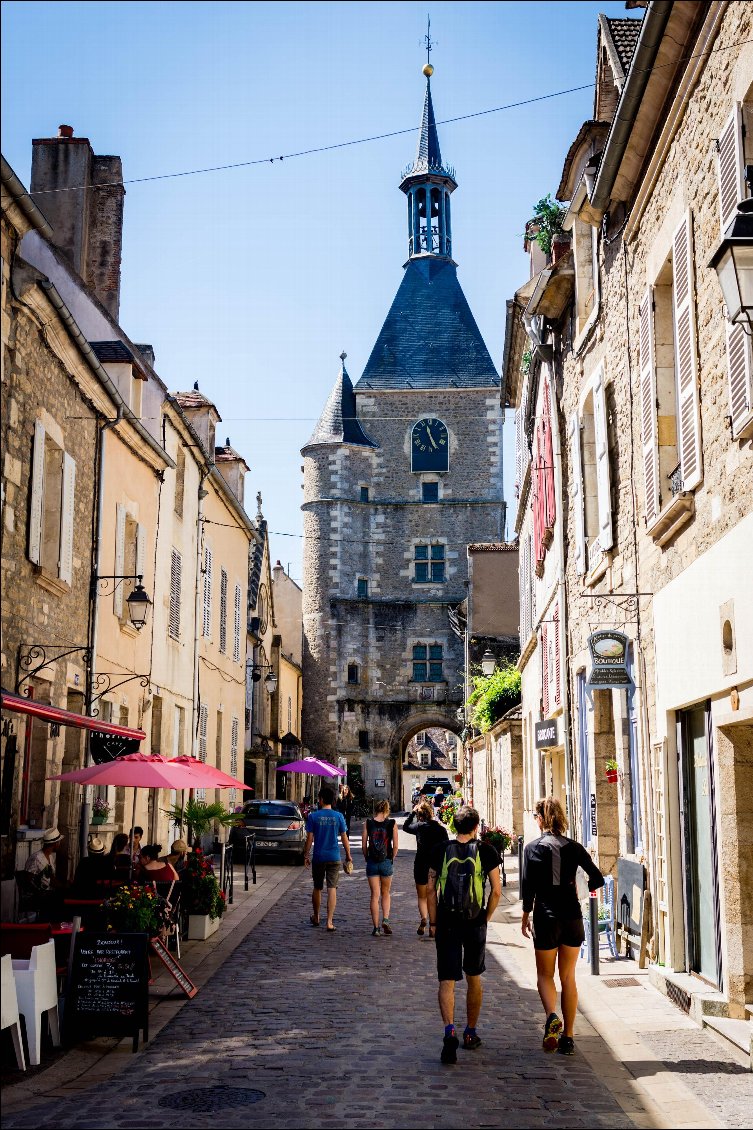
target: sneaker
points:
(552, 1030)
(470, 1043)
(566, 1045)
(375, 932)
(386, 928)
(450, 1046)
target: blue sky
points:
(253, 280)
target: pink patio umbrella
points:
(212, 777)
(137, 771)
(314, 766)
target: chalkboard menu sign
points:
(109, 988)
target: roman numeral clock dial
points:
(429, 446)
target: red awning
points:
(64, 717)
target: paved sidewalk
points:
(300, 1028)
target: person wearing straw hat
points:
(179, 849)
(40, 868)
(93, 868)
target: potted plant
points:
(545, 227)
(199, 817)
(134, 909)
(499, 838)
(100, 811)
(202, 898)
(612, 770)
(448, 809)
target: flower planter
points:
(612, 776)
(98, 820)
(201, 927)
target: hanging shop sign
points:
(609, 656)
(546, 734)
(594, 832)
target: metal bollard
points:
(520, 867)
(593, 918)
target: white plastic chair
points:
(9, 1009)
(606, 926)
(37, 989)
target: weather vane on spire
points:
(428, 69)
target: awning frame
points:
(57, 716)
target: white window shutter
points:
(688, 405)
(237, 622)
(545, 670)
(67, 515)
(730, 167)
(140, 549)
(176, 577)
(207, 626)
(223, 610)
(120, 525)
(523, 592)
(576, 490)
(606, 537)
(648, 407)
(740, 371)
(37, 495)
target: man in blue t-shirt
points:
(324, 828)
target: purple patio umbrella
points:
(313, 766)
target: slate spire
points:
(338, 422)
(428, 184)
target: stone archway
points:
(423, 718)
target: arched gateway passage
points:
(422, 722)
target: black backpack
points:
(379, 840)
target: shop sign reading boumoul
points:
(609, 655)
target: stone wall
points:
(346, 539)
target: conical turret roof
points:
(338, 423)
(428, 154)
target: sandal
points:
(313, 920)
(331, 929)
(421, 927)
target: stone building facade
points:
(653, 391)
(401, 474)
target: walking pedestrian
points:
(428, 832)
(379, 841)
(458, 915)
(323, 829)
(549, 867)
(438, 798)
(345, 805)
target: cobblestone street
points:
(299, 1028)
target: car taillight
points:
(295, 825)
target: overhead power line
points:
(373, 137)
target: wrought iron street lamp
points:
(138, 601)
(488, 662)
(270, 679)
(733, 263)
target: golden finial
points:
(428, 70)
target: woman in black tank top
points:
(550, 864)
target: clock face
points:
(430, 446)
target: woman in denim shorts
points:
(379, 844)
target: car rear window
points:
(271, 809)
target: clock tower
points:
(402, 473)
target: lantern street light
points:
(733, 263)
(270, 679)
(488, 662)
(138, 606)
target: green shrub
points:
(493, 695)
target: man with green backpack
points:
(458, 916)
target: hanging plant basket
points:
(612, 776)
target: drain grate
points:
(621, 982)
(211, 1100)
(678, 996)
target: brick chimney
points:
(81, 195)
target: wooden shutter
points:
(207, 626)
(688, 406)
(557, 660)
(730, 168)
(548, 456)
(523, 592)
(576, 491)
(739, 366)
(67, 515)
(606, 537)
(519, 439)
(544, 670)
(234, 748)
(120, 526)
(37, 495)
(176, 577)
(648, 407)
(237, 621)
(140, 550)
(223, 610)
